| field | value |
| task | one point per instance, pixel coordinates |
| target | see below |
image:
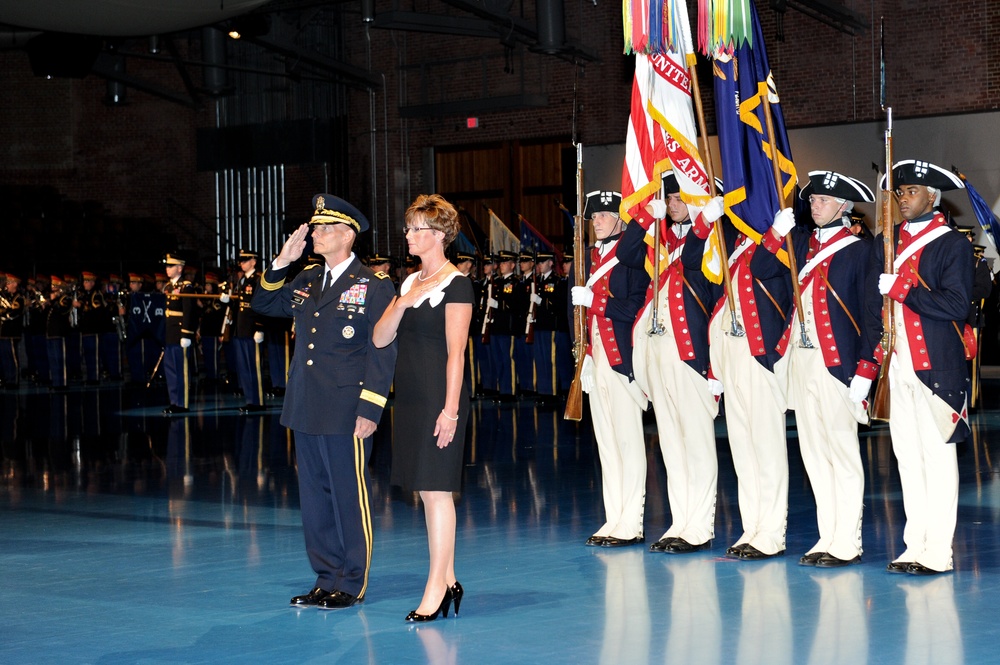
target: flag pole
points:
(736, 330)
(805, 343)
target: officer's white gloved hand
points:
(258, 337)
(657, 208)
(185, 342)
(713, 210)
(784, 220)
(537, 299)
(582, 296)
(493, 304)
(885, 282)
(224, 298)
(715, 387)
(587, 374)
(860, 387)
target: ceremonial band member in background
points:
(338, 384)
(181, 324)
(430, 319)
(57, 328)
(671, 367)
(12, 311)
(213, 315)
(523, 363)
(94, 319)
(248, 335)
(613, 295)
(930, 290)
(755, 402)
(832, 261)
(485, 370)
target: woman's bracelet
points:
(447, 416)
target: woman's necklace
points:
(424, 279)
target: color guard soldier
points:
(548, 309)
(485, 374)
(613, 296)
(523, 362)
(755, 400)
(338, 385)
(502, 327)
(930, 291)
(181, 324)
(671, 366)
(248, 335)
(13, 306)
(831, 262)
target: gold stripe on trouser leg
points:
(513, 367)
(365, 506)
(184, 374)
(288, 357)
(256, 368)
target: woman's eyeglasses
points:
(407, 229)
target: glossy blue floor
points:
(131, 537)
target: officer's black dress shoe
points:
(173, 409)
(898, 566)
(310, 599)
(751, 553)
(830, 561)
(681, 546)
(920, 569)
(661, 544)
(595, 541)
(252, 408)
(338, 600)
(611, 541)
(811, 558)
(735, 551)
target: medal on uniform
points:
(348, 332)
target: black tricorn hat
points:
(915, 172)
(330, 209)
(602, 201)
(838, 185)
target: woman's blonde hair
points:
(434, 211)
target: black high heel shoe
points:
(456, 595)
(414, 617)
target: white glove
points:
(587, 374)
(537, 299)
(493, 304)
(185, 342)
(885, 282)
(715, 387)
(860, 386)
(224, 298)
(783, 222)
(657, 208)
(713, 210)
(258, 337)
(582, 296)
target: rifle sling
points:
(829, 287)
(770, 297)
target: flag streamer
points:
(984, 213)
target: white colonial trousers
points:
(920, 425)
(621, 445)
(755, 420)
(685, 420)
(827, 424)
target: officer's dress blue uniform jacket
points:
(336, 373)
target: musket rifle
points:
(878, 406)
(574, 401)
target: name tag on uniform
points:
(299, 296)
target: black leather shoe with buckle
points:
(681, 546)
(622, 542)
(898, 567)
(830, 561)
(811, 558)
(751, 553)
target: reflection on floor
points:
(130, 537)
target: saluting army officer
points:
(338, 383)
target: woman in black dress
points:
(431, 319)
